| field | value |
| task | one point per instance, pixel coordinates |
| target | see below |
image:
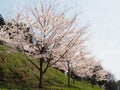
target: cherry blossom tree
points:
(45, 34)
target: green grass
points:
(17, 73)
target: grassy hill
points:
(17, 73)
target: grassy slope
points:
(17, 72)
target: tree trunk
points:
(73, 80)
(68, 64)
(41, 73)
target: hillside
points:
(16, 72)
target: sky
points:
(104, 18)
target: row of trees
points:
(86, 68)
(53, 38)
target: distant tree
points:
(111, 85)
(2, 22)
(110, 77)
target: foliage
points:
(2, 22)
(111, 85)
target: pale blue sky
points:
(104, 16)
